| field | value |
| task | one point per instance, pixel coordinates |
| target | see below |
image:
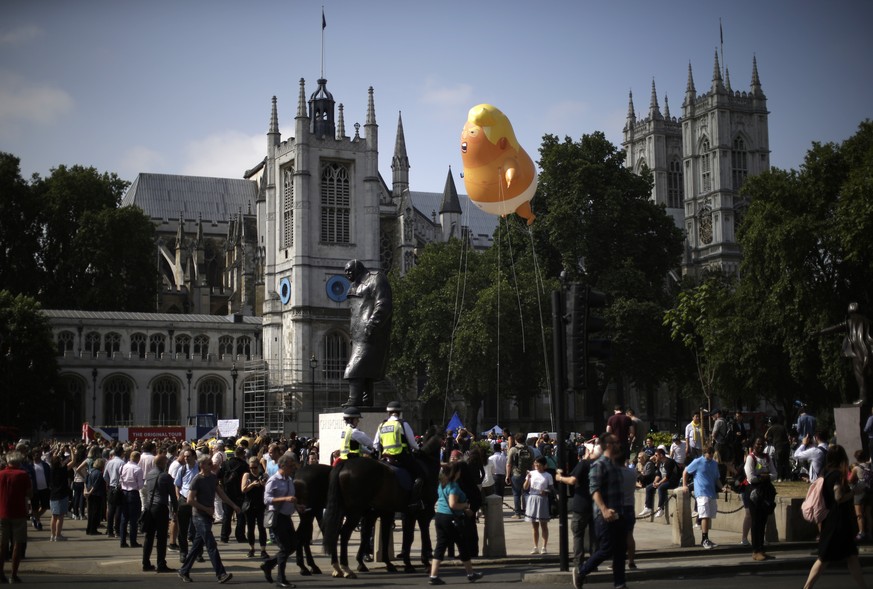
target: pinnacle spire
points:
(301, 100)
(274, 119)
(371, 108)
(689, 87)
(450, 203)
(756, 81)
(341, 123)
(400, 159)
(716, 75)
(666, 108)
(727, 79)
(654, 109)
(631, 114)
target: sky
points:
(185, 87)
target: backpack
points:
(865, 480)
(813, 508)
(525, 458)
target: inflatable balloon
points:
(499, 175)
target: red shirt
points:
(14, 489)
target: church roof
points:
(128, 317)
(166, 196)
(480, 223)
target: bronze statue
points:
(370, 329)
(857, 345)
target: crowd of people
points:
(169, 493)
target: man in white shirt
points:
(693, 439)
(497, 460)
(114, 496)
(132, 482)
(814, 453)
(218, 458)
(146, 463)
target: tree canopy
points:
(65, 241)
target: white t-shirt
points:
(678, 452)
(540, 482)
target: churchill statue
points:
(370, 329)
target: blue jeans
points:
(518, 493)
(612, 543)
(203, 538)
(662, 495)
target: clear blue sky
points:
(131, 86)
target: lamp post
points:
(233, 374)
(94, 396)
(313, 364)
(188, 375)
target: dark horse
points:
(363, 487)
(310, 484)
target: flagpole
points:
(323, 26)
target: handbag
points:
(554, 504)
(246, 504)
(268, 518)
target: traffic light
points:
(581, 323)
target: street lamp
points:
(233, 374)
(313, 364)
(188, 375)
(94, 396)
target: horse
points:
(310, 484)
(370, 489)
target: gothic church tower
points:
(700, 161)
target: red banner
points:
(158, 432)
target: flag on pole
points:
(323, 21)
(720, 31)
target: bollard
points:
(493, 537)
(683, 530)
(377, 548)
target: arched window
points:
(65, 342)
(336, 355)
(705, 225)
(244, 347)
(225, 346)
(69, 410)
(111, 343)
(138, 345)
(165, 401)
(201, 346)
(335, 203)
(675, 190)
(739, 163)
(183, 345)
(288, 207)
(705, 167)
(92, 343)
(210, 396)
(157, 344)
(117, 401)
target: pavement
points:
(657, 557)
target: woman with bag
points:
(760, 495)
(837, 539)
(539, 486)
(160, 497)
(280, 498)
(252, 485)
(452, 511)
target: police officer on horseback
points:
(395, 441)
(354, 442)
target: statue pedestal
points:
(850, 420)
(331, 427)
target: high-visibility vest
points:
(349, 446)
(391, 437)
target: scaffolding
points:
(288, 397)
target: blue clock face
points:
(337, 288)
(285, 290)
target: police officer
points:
(353, 442)
(396, 441)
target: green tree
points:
(28, 365)
(19, 229)
(66, 241)
(597, 223)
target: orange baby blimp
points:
(499, 175)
